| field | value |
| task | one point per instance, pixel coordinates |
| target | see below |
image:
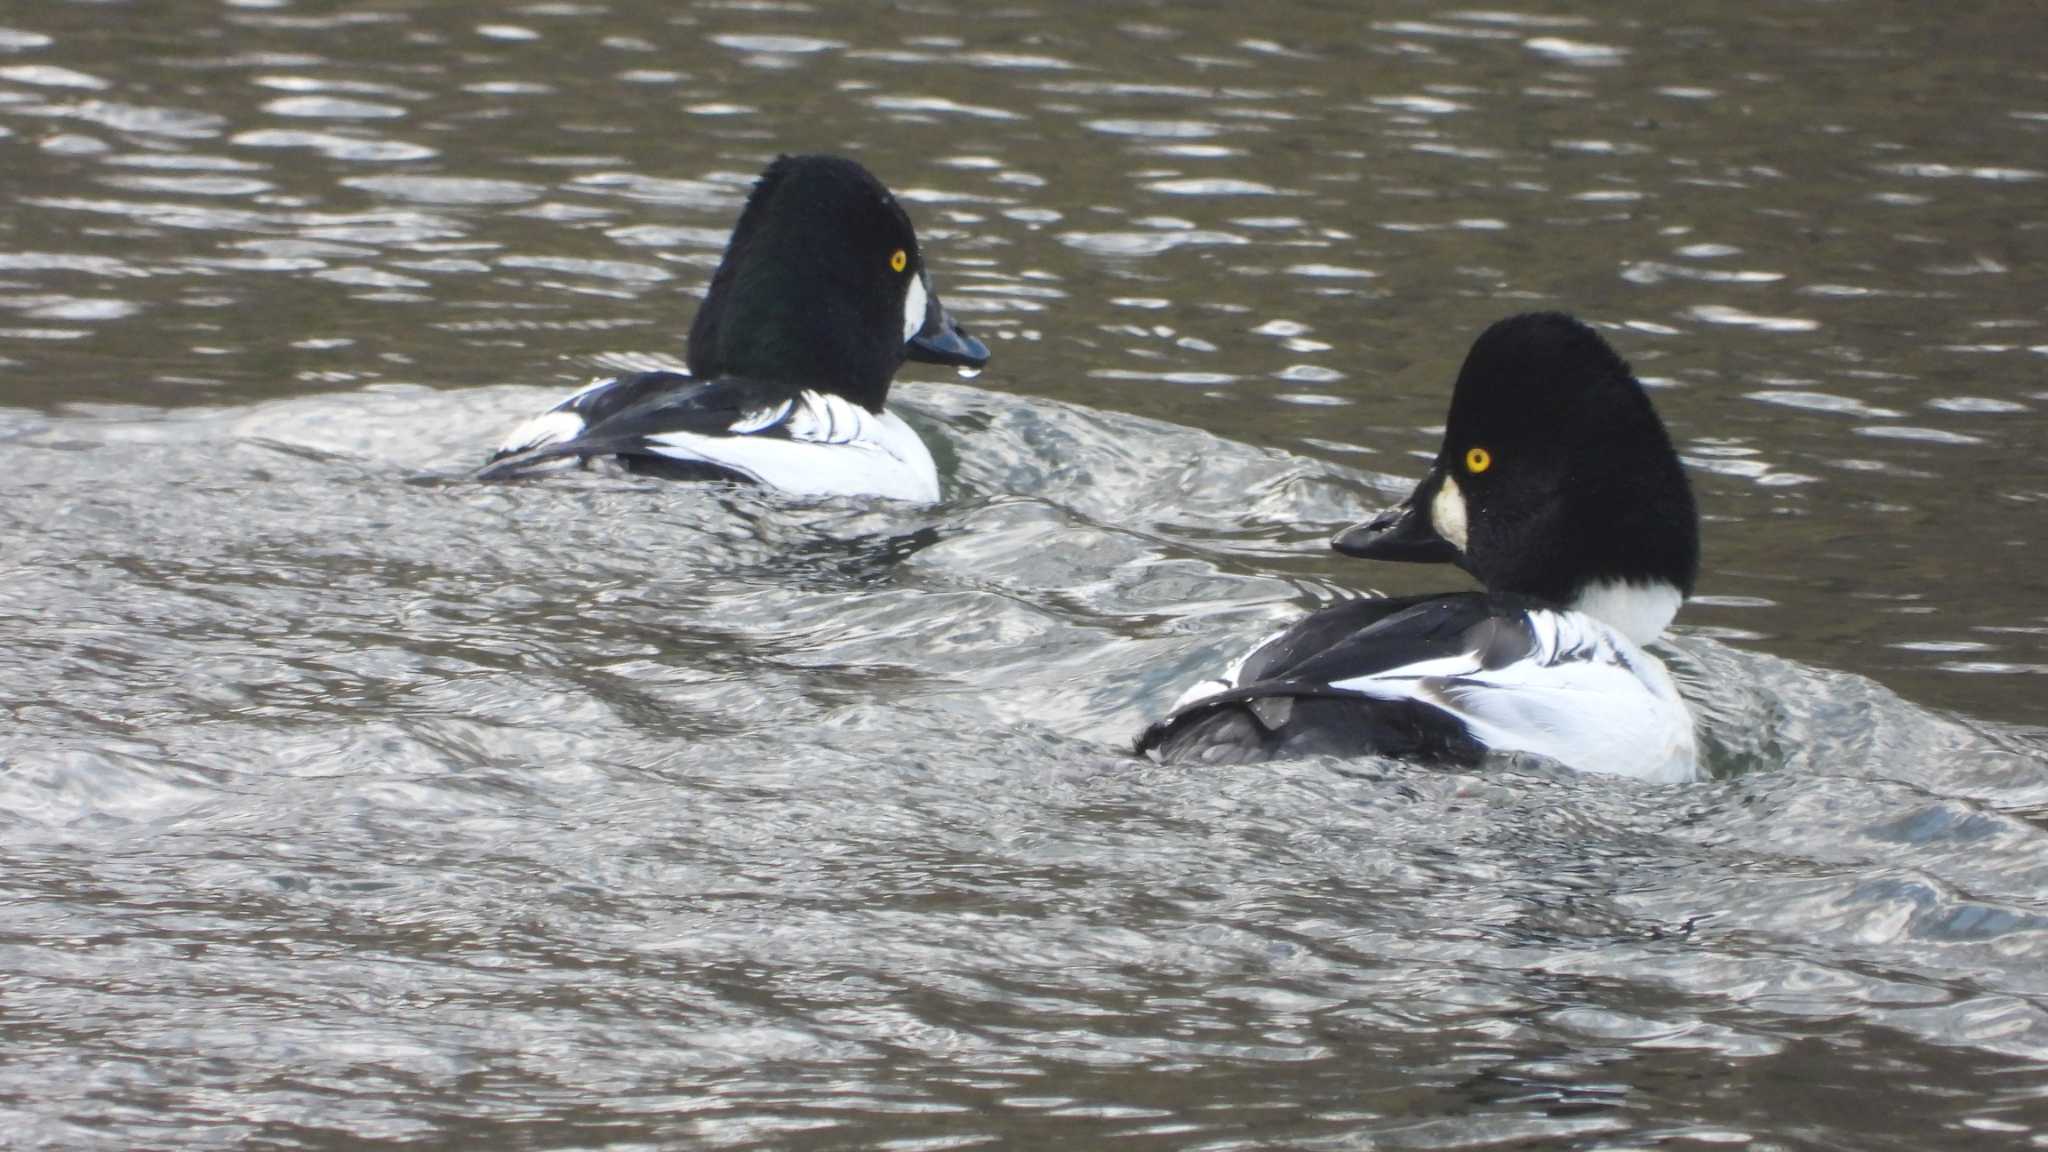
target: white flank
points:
(1447, 513)
(1585, 696)
(1640, 612)
(835, 448)
(914, 299)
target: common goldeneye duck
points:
(1558, 489)
(821, 296)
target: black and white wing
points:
(1445, 679)
(794, 440)
(1269, 703)
(595, 419)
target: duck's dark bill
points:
(1402, 532)
(943, 341)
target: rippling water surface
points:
(348, 802)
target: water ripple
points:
(51, 76)
(1156, 129)
(335, 146)
(620, 270)
(1725, 314)
(446, 189)
(18, 40)
(778, 45)
(1214, 186)
(1146, 243)
(1579, 52)
(332, 108)
(941, 105)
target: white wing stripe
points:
(821, 418)
(546, 428)
(559, 423)
(761, 418)
(831, 446)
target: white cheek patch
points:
(914, 300)
(1447, 513)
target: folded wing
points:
(1442, 678)
(794, 440)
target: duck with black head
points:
(1557, 487)
(821, 296)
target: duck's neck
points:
(1638, 610)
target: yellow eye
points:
(899, 260)
(1478, 460)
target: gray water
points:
(348, 803)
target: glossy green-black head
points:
(1556, 479)
(823, 285)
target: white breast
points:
(1585, 696)
(834, 448)
(1640, 612)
